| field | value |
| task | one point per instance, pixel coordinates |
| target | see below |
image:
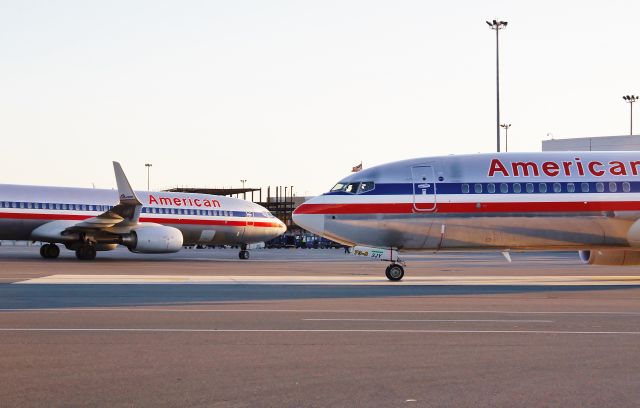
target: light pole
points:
(506, 127)
(148, 166)
(631, 99)
(244, 195)
(497, 25)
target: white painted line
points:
(336, 280)
(431, 320)
(328, 311)
(170, 330)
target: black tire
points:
(394, 272)
(86, 253)
(49, 251)
(243, 255)
(53, 251)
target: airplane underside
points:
(471, 232)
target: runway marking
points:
(327, 311)
(431, 320)
(170, 330)
(337, 280)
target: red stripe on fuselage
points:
(488, 207)
(183, 221)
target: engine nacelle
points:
(610, 257)
(153, 239)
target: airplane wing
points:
(119, 219)
(124, 214)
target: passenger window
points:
(517, 187)
(626, 187)
(529, 187)
(584, 187)
(571, 188)
(613, 187)
(491, 188)
(557, 188)
(542, 187)
(599, 187)
(352, 188)
(477, 188)
(504, 188)
(366, 186)
(465, 189)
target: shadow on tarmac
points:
(80, 295)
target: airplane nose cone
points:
(282, 229)
(311, 222)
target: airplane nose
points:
(311, 222)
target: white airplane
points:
(90, 220)
(585, 201)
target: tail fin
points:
(126, 193)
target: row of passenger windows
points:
(147, 210)
(186, 211)
(354, 188)
(54, 206)
(504, 188)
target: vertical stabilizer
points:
(127, 196)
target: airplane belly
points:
(419, 231)
(385, 230)
(540, 232)
(221, 235)
(20, 230)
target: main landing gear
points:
(86, 252)
(394, 272)
(243, 254)
(49, 251)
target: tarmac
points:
(316, 328)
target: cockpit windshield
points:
(354, 188)
(351, 188)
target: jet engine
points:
(153, 239)
(610, 257)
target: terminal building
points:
(598, 143)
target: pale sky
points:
(297, 92)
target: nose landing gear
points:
(394, 272)
(243, 254)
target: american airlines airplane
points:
(90, 220)
(585, 201)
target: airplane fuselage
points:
(202, 219)
(520, 201)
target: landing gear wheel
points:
(49, 251)
(244, 254)
(394, 272)
(86, 253)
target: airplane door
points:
(424, 188)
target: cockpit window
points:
(366, 186)
(352, 188)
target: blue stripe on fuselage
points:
(457, 188)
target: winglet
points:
(127, 196)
